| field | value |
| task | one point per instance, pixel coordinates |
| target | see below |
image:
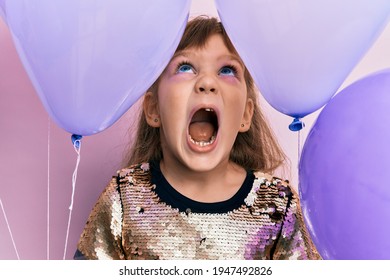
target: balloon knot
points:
(296, 125)
(76, 140)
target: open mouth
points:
(203, 127)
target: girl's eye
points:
(228, 71)
(185, 68)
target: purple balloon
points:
(2, 9)
(89, 61)
(301, 51)
(344, 169)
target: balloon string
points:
(77, 147)
(48, 193)
(9, 229)
(299, 153)
(299, 146)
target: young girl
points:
(195, 187)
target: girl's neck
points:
(214, 185)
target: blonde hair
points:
(256, 149)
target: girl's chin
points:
(201, 165)
(204, 162)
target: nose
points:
(206, 84)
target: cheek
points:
(174, 92)
(172, 106)
(237, 104)
(236, 93)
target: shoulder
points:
(273, 185)
(135, 173)
(133, 180)
(271, 194)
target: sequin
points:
(130, 222)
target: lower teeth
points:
(203, 143)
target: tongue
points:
(201, 131)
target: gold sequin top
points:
(130, 221)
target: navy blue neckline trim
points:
(172, 197)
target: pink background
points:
(27, 135)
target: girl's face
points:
(202, 105)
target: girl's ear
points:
(151, 111)
(247, 117)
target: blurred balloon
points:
(300, 51)
(89, 61)
(2, 9)
(344, 169)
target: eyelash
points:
(181, 64)
(232, 67)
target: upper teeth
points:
(208, 109)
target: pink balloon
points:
(301, 51)
(89, 61)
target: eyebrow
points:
(234, 57)
(180, 53)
